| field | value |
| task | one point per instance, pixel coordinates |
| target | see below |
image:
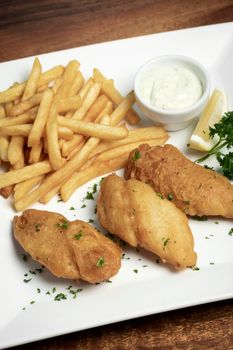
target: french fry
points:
(60, 175)
(77, 84)
(29, 171)
(21, 119)
(69, 103)
(41, 118)
(88, 101)
(8, 108)
(33, 80)
(68, 79)
(4, 142)
(104, 163)
(136, 135)
(96, 108)
(54, 152)
(94, 170)
(92, 129)
(108, 88)
(57, 84)
(119, 113)
(26, 186)
(17, 90)
(15, 150)
(24, 130)
(118, 151)
(35, 152)
(24, 106)
(2, 112)
(85, 88)
(71, 147)
(76, 149)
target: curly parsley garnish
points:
(224, 130)
(165, 242)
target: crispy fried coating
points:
(132, 211)
(74, 250)
(194, 189)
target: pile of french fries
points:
(59, 131)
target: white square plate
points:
(154, 288)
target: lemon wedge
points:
(213, 112)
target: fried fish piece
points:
(132, 211)
(74, 250)
(195, 190)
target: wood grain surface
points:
(34, 27)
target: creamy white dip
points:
(170, 86)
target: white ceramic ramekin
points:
(173, 120)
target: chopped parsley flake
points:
(83, 206)
(100, 262)
(27, 280)
(94, 189)
(136, 156)
(78, 235)
(230, 233)
(72, 208)
(60, 296)
(170, 196)
(195, 268)
(165, 242)
(216, 222)
(54, 290)
(24, 257)
(159, 195)
(63, 224)
(32, 302)
(90, 220)
(211, 263)
(38, 290)
(89, 195)
(135, 271)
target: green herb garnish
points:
(63, 224)
(230, 233)
(89, 195)
(100, 262)
(224, 130)
(170, 196)
(83, 206)
(24, 257)
(72, 208)
(78, 235)
(165, 242)
(135, 271)
(60, 296)
(136, 156)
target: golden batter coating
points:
(132, 211)
(74, 250)
(194, 189)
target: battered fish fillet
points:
(132, 211)
(74, 250)
(194, 189)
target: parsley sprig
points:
(224, 130)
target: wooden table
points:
(34, 27)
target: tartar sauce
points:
(170, 86)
